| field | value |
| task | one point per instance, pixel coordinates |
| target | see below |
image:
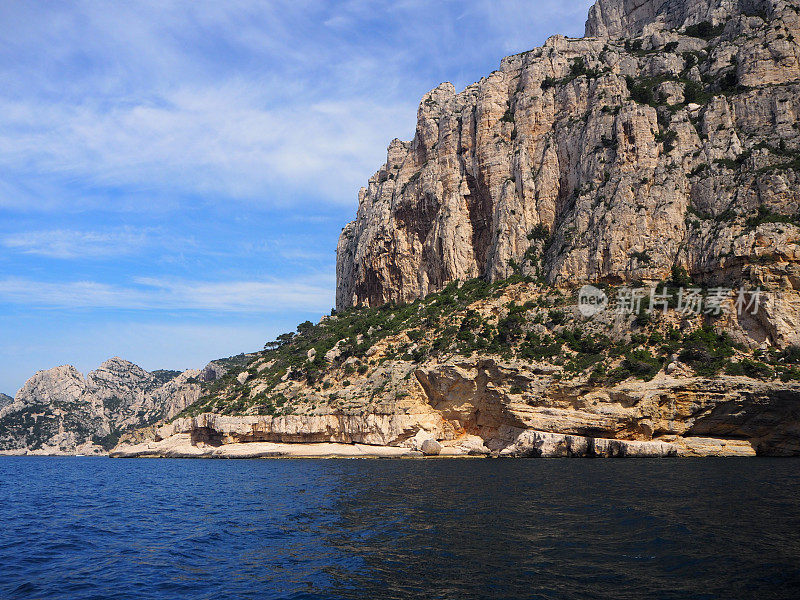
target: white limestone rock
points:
(57, 411)
(539, 144)
(431, 447)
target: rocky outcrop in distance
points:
(58, 411)
(5, 400)
(669, 136)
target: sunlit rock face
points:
(475, 406)
(628, 18)
(668, 136)
(57, 411)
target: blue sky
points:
(174, 174)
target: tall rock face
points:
(605, 160)
(5, 400)
(59, 412)
(626, 18)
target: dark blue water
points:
(79, 528)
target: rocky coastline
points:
(658, 155)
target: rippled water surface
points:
(77, 528)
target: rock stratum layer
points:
(483, 407)
(466, 406)
(603, 159)
(59, 412)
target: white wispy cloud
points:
(146, 102)
(307, 294)
(313, 293)
(239, 99)
(69, 244)
(224, 145)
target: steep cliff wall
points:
(630, 18)
(607, 159)
(603, 160)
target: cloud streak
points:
(226, 145)
(70, 244)
(311, 294)
(239, 99)
(147, 101)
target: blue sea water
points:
(81, 528)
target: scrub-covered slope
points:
(482, 367)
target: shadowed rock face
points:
(5, 400)
(59, 412)
(603, 160)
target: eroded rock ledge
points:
(464, 410)
(528, 444)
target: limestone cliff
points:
(630, 18)
(59, 412)
(669, 136)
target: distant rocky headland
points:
(59, 412)
(657, 158)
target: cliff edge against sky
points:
(606, 159)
